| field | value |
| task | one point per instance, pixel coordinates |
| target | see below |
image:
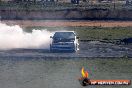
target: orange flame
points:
(84, 73)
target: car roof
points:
(65, 32)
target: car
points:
(64, 41)
(126, 41)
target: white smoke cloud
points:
(14, 37)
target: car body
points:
(64, 41)
(126, 41)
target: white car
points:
(64, 41)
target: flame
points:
(84, 73)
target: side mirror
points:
(77, 37)
(51, 36)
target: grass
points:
(98, 68)
(95, 33)
(111, 67)
(60, 6)
(62, 73)
(105, 33)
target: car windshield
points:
(64, 35)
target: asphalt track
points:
(86, 50)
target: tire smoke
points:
(12, 37)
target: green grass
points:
(95, 33)
(105, 33)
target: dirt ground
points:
(64, 23)
(86, 50)
(35, 68)
(38, 68)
